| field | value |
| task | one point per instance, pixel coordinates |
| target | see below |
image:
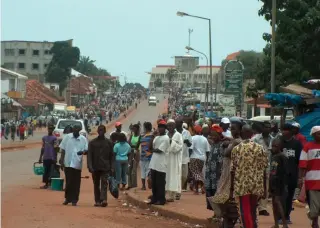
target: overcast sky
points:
(129, 37)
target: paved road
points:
(33, 207)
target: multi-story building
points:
(30, 58)
(198, 78)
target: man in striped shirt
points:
(310, 169)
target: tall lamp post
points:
(182, 14)
(273, 51)
(201, 53)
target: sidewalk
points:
(192, 209)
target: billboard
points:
(186, 64)
(233, 72)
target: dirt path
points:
(25, 205)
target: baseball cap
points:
(315, 129)
(295, 124)
(118, 124)
(225, 120)
(162, 122)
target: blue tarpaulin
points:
(307, 121)
(283, 99)
(316, 93)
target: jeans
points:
(100, 183)
(121, 172)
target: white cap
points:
(171, 121)
(315, 129)
(295, 124)
(225, 120)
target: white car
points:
(62, 123)
(152, 100)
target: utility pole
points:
(273, 51)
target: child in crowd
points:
(121, 150)
(277, 182)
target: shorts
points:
(144, 166)
(314, 203)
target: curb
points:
(135, 199)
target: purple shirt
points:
(49, 151)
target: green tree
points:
(171, 74)
(251, 60)
(297, 42)
(133, 86)
(158, 83)
(86, 65)
(64, 58)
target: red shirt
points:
(300, 137)
(22, 129)
(310, 160)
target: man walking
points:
(187, 140)
(173, 175)
(100, 162)
(264, 139)
(158, 165)
(72, 148)
(248, 177)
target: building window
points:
(46, 66)
(8, 65)
(21, 65)
(9, 52)
(22, 51)
(35, 66)
(47, 52)
(35, 52)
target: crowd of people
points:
(235, 166)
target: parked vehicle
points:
(62, 123)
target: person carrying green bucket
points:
(48, 156)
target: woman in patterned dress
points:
(213, 163)
(221, 203)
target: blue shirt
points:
(122, 149)
(145, 140)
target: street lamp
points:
(182, 14)
(201, 53)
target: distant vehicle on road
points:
(62, 123)
(152, 101)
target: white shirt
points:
(185, 150)
(72, 146)
(227, 134)
(200, 146)
(159, 160)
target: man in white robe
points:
(174, 162)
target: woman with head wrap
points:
(221, 202)
(200, 146)
(213, 163)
